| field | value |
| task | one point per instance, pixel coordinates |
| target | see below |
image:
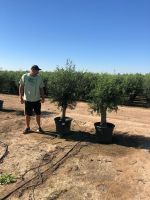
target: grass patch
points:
(6, 179)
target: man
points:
(32, 94)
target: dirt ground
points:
(76, 167)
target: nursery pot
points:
(63, 126)
(1, 104)
(104, 133)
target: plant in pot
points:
(62, 91)
(106, 96)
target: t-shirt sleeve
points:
(21, 82)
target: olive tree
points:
(62, 87)
(106, 96)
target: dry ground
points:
(76, 167)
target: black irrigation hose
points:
(5, 146)
(54, 167)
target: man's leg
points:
(37, 109)
(28, 113)
(27, 118)
(38, 120)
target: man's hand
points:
(21, 92)
(21, 100)
(42, 95)
(42, 100)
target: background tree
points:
(133, 85)
(146, 86)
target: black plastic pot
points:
(1, 104)
(104, 133)
(63, 126)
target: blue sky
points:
(97, 35)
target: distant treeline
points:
(133, 85)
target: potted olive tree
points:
(62, 91)
(105, 97)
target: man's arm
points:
(21, 93)
(42, 95)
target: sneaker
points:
(39, 130)
(26, 130)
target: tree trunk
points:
(103, 116)
(63, 113)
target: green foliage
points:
(62, 86)
(107, 94)
(9, 81)
(66, 81)
(146, 86)
(6, 179)
(85, 83)
(45, 77)
(133, 85)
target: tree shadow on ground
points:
(17, 111)
(136, 141)
(47, 114)
(21, 112)
(49, 133)
(119, 138)
(7, 110)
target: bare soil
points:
(76, 167)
